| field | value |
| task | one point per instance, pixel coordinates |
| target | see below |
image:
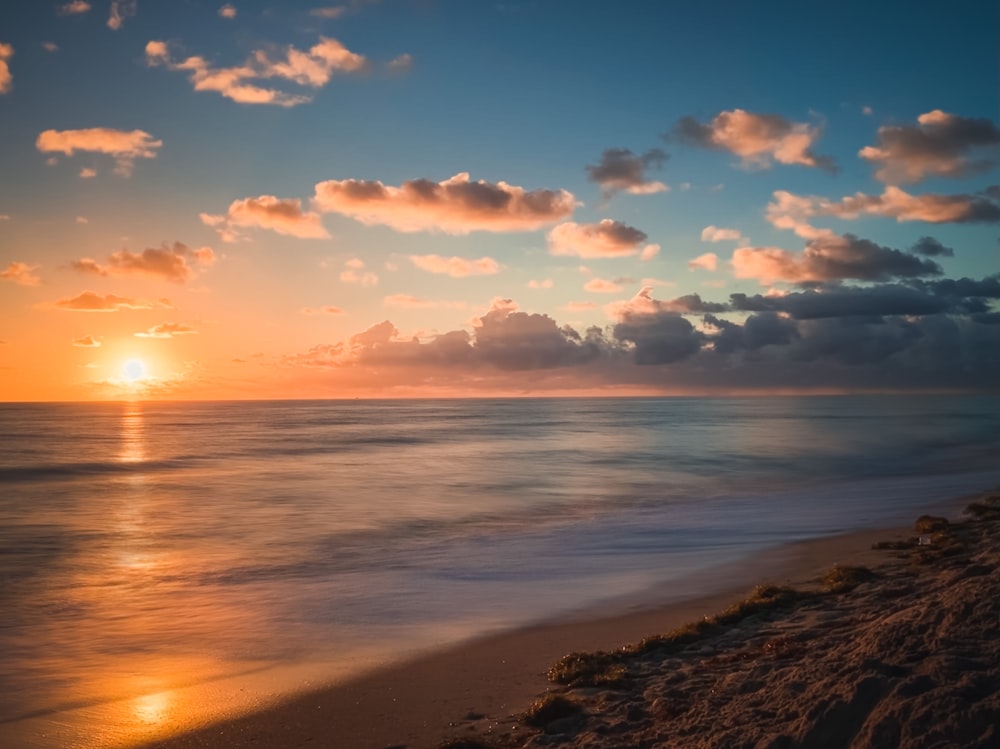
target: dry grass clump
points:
(589, 669)
(842, 578)
(762, 598)
(550, 708)
(986, 509)
(931, 524)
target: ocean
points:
(165, 562)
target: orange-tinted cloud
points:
(6, 79)
(166, 330)
(75, 7)
(608, 238)
(718, 234)
(830, 258)
(21, 273)
(88, 341)
(282, 215)
(456, 267)
(122, 145)
(758, 139)
(90, 301)
(168, 263)
(400, 63)
(546, 283)
(227, 11)
(454, 206)
(709, 261)
(603, 286)
(120, 10)
(415, 302)
(621, 170)
(312, 69)
(327, 309)
(939, 145)
(88, 173)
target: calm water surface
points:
(164, 561)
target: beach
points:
(903, 654)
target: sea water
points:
(149, 551)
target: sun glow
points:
(134, 370)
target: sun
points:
(134, 370)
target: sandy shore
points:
(908, 657)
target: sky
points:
(445, 198)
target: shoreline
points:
(482, 684)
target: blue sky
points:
(776, 96)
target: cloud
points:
(353, 273)
(73, 8)
(282, 215)
(789, 211)
(603, 286)
(649, 252)
(620, 169)
(88, 341)
(123, 146)
(930, 247)
(88, 173)
(227, 11)
(410, 301)
(167, 263)
(50, 46)
(543, 284)
(91, 301)
(120, 10)
(166, 330)
(939, 145)
(654, 332)
(456, 267)
(758, 139)
(830, 258)
(6, 79)
(718, 234)
(312, 69)
(708, 261)
(581, 306)
(400, 63)
(454, 206)
(608, 238)
(21, 273)
(328, 309)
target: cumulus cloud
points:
(282, 215)
(124, 146)
(88, 341)
(708, 261)
(653, 331)
(227, 11)
(91, 301)
(758, 139)
(120, 10)
(170, 263)
(6, 79)
(75, 7)
(166, 330)
(718, 234)
(930, 247)
(607, 238)
(830, 258)
(311, 69)
(454, 206)
(621, 170)
(939, 145)
(456, 267)
(327, 309)
(21, 273)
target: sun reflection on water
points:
(152, 708)
(133, 434)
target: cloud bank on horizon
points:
(383, 198)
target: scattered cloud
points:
(603, 286)
(758, 139)
(830, 258)
(930, 247)
(120, 10)
(401, 63)
(88, 341)
(88, 173)
(227, 11)
(91, 301)
(581, 306)
(21, 273)
(939, 145)
(409, 301)
(718, 234)
(312, 69)
(82, 220)
(328, 309)
(608, 238)
(354, 272)
(330, 12)
(50, 46)
(124, 146)
(75, 7)
(282, 215)
(6, 78)
(621, 170)
(709, 261)
(543, 284)
(166, 330)
(456, 267)
(454, 206)
(170, 263)
(649, 252)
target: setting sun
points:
(134, 370)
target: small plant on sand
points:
(685, 635)
(600, 669)
(986, 509)
(551, 707)
(930, 524)
(762, 598)
(842, 578)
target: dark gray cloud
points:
(940, 145)
(658, 338)
(930, 247)
(621, 170)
